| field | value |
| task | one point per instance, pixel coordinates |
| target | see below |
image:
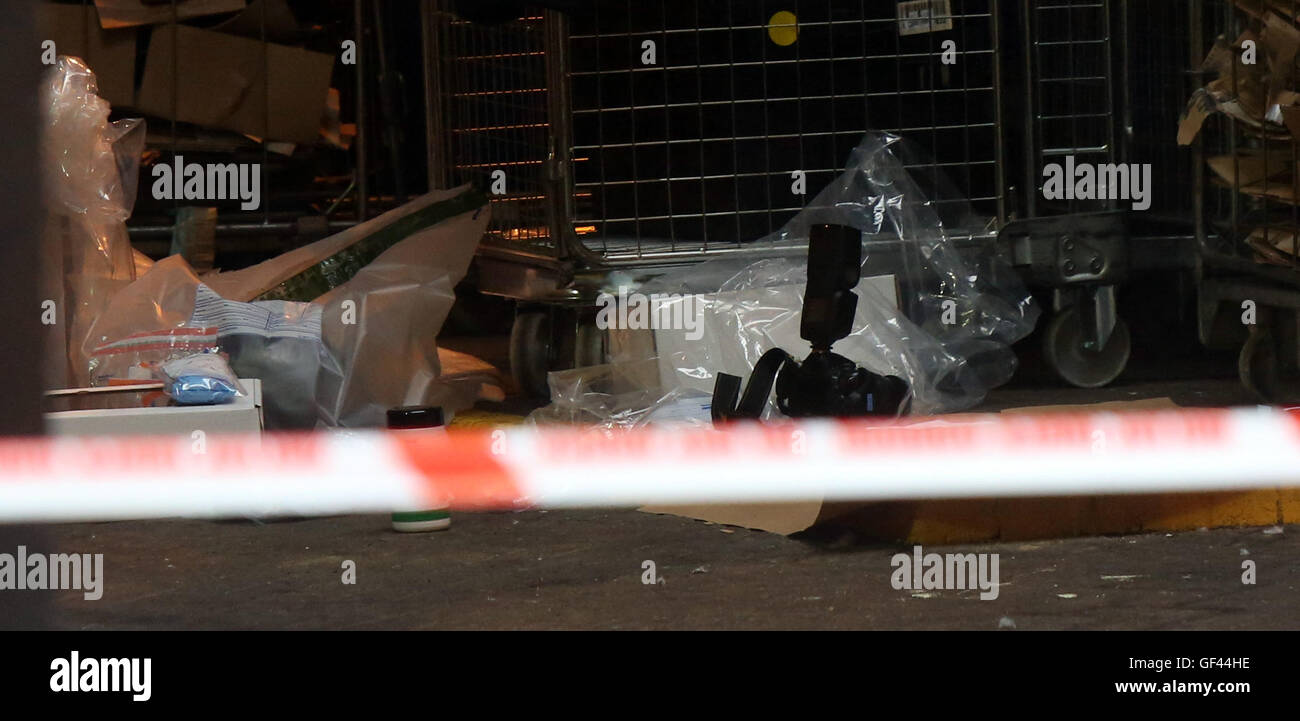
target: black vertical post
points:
(20, 306)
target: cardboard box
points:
(111, 54)
(271, 20)
(131, 13)
(223, 82)
(100, 417)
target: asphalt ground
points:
(589, 570)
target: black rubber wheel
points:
(530, 352)
(1257, 365)
(1065, 352)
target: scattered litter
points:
(1120, 578)
(811, 598)
(727, 530)
(700, 569)
(1006, 622)
(1275, 530)
(1245, 552)
(922, 594)
(1067, 595)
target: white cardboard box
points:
(242, 415)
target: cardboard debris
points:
(1254, 94)
(1263, 97)
(264, 20)
(111, 55)
(268, 90)
(1274, 246)
(265, 90)
(132, 13)
(1259, 174)
(1251, 168)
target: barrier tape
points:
(105, 478)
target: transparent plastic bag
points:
(614, 397)
(200, 379)
(91, 168)
(138, 356)
(945, 323)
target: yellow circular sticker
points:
(783, 28)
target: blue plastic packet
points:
(200, 379)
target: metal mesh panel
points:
(696, 151)
(1072, 90)
(496, 110)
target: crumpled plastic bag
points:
(91, 168)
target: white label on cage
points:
(924, 16)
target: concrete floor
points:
(584, 569)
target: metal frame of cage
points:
(1232, 225)
(607, 180)
(691, 156)
(1104, 79)
(653, 164)
(650, 205)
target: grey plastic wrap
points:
(948, 332)
(91, 167)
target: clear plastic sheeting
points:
(345, 357)
(938, 307)
(91, 167)
(616, 397)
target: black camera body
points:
(825, 384)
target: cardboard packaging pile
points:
(1256, 84)
(223, 78)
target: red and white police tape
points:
(62, 479)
